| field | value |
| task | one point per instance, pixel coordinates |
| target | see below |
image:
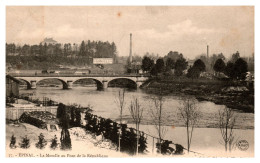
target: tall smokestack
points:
(130, 54)
(207, 52)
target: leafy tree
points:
(219, 66)
(180, 65)
(199, 65)
(160, 65)
(235, 57)
(240, 69)
(169, 64)
(193, 72)
(147, 63)
(154, 71)
(229, 70)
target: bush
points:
(13, 142)
(25, 143)
(54, 143)
(42, 142)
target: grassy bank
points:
(233, 94)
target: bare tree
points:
(137, 114)
(190, 115)
(120, 100)
(227, 122)
(157, 115)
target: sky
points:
(159, 30)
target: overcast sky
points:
(155, 29)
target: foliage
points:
(25, 143)
(159, 65)
(229, 70)
(219, 66)
(111, 130)
(54, 142)
(147, 63)
(235, 57)
(42, 142)
(12, 142)
(240, 69)
(170, 64)
(199, 65)
(193, 72)
(180, 65)
(48, 55)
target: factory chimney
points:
(207, 53)
(130, 54)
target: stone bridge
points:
(67, 81)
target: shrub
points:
(42, 142)
(25, 143)
(13, 142)
(54, 143)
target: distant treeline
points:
(46, 55)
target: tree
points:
(240, 69)
(227, 122)
(169, 64)
(180, 65)
(147, 63)
(190, 115)
(120, 100)
(82, 49)
(137, 114)
(229, 70)
(25, 143)
(158, 116)
(54, 143)
(42, 142)
(199, 65)
(12, 142)
(193, 72)
(160, 65)
(219, 66)
(235, 57)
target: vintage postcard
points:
(132, 81)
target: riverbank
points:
(233, 95)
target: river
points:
(104, 104)
(206, 136)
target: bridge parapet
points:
(67, 81)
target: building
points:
(12, 86)
(49, 41)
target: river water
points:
(104, 104)
(206, 138)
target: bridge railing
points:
(76, 75)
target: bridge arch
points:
(99, 83)
(64, 83)
(28, 84)
(120, 82)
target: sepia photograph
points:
(130, 81)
